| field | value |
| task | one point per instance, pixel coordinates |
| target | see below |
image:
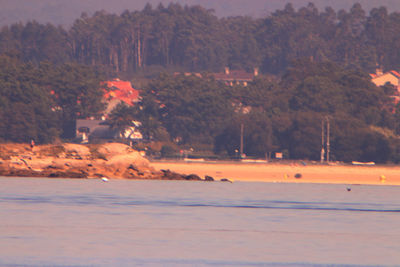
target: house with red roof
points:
(120, 92)
(381, 78)
(232, 77)
(393, 77)
(95, 131)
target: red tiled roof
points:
(122, 90)
(395, 73)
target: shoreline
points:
(103, 161)
(119, 161)
(285, 173)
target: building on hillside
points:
(232, 77)
(120, 92)
(381, 78)
(93, 129)
(99, 131)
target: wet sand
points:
(272, 172)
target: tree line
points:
(43, 102)
(192, 38)
(50, 76)
(276, 115)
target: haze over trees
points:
(314, 65)
(194, 39)
(61, 12)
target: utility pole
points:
(241, 139)
(327, 139)
(322, 141)
(327, 145)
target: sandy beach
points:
(285, 173)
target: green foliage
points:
(353, 140)
(288, 116)
(304, 136)
(190, 108)
(322, 57)
(121, 117)
(193, 38)
(25, 107)
(76, 92)
(42, 103)
(168, 151)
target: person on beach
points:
(32, 144)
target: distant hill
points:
(61, 12)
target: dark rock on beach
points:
(193, 177)
(59, 174)
(169, 175)
(298, 175)
(208, 178)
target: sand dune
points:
(270, 172)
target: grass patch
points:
(94, 152)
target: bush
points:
(168, 151)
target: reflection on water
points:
(67, 222)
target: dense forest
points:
(314, 67)
(61, 12)
(194, 39)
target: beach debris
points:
(226, 180)
(104, 179)
(382, 178)
(371, 163)
(348, 189)
(298, 175)
(208, 178)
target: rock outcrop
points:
(112, 160)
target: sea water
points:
(79, 222)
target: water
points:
(68, 222)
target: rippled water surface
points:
(68, 222)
